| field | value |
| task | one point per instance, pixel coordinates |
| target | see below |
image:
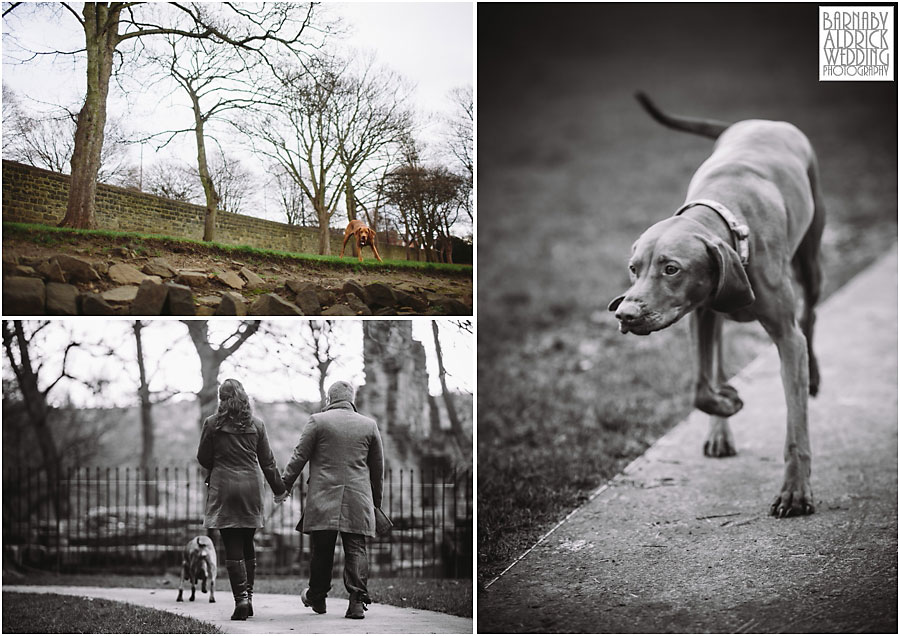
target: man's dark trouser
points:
(356, 564)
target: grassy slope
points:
(151, 244)
(449, 596)
(61, 614)
(571, 170)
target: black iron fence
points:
(133, 520)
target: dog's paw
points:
(719, 446)
(722, 402)
(793, 500)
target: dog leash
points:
(739, 230)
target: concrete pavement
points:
(683, 543)
(274, 613)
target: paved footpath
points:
(274, 613)
(684, 543)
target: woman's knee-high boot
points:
(237, 574)
(250, 565)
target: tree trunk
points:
(455, 424)
(35, 401)
(209, 189)
(101, 27)
(147, 429)
(350, 202)
(324, 232)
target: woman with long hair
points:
(233, 447)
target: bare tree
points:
(46, 140)
(370, 117)
(171, 179)
(299, 133)
(461, 141)
(121, 27)
(18, 344)
(232, 180)
(456, 428)
(213, 355)
(291, 197)
(427, 200)
(318, 337)
(147, 428)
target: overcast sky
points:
(428, 43)
(269, 371)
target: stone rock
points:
(407, 287)
(357, 305)
(308, 301)
(51, 271)
(339, 310)
(386, 311)
(179, 300)
(273, 305)
(24, 270)
(158, 266)
(76, 270)
(126, 274)
(211, 300)
(190, 278)
(150, 299)
(452, 307)
(205, 311)
(23, 295)
(120, 295)
(295, 285)
(380, 295)
(411, 301)
(327, 296)
(231, 279)
(352, 287)
(252, 279)
(62, 299)
(93, 305)
(232, 305)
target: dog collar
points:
(739, 230)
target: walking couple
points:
(346, 466)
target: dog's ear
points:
(615, 302)
(733, 289)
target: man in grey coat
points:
(346, 471)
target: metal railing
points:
(133, 520)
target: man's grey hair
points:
(341, 390)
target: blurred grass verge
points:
(62, 614)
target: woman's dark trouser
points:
(356, 564)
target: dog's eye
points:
(670, 270)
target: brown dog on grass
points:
(364, 236)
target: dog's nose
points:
(628, 311)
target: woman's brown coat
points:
(234, 458)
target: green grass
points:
(61, 614)
(449, 596)
(151, 244)
(568, 179)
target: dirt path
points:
(273, 613)
(683, 543)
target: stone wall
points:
(33, 195)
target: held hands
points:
(279, 499)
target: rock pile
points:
(66, 285)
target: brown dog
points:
(753, 214)
(199, 564)
(364, 236)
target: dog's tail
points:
(704, 127)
